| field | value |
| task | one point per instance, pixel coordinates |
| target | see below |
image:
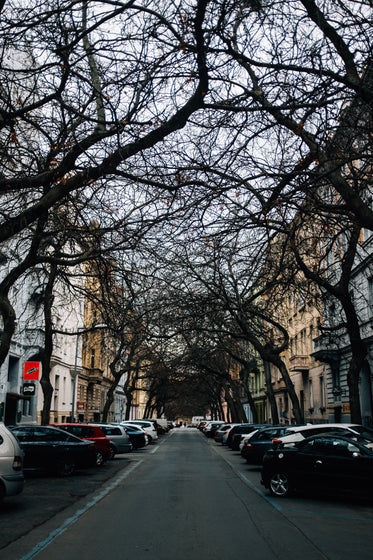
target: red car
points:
(92, 433)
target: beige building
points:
(307, 374)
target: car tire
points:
(66, 467)
(279, 484)
(112, 451)
(100, 459)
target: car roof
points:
(366, 442)
(313, 426)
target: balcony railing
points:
(299, 363)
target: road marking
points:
(71, 520)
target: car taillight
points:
(17, 463)
(276, 443)
(91, 446)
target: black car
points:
(234, 437)
(327, 463)
(54, 450)
(254, 448)
(137, 436)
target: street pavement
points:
(46, 495)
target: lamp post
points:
(85, 329)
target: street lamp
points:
(85, 329)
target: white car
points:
(11, 464)
(298, 433)
(148, 427)
(246, 437)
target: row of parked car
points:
(63, 448)
(335, 458)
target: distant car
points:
(92, 433)
(219, 433)
(162, 426)
(50, 449)
(148, 427)
(136, 434)
(327, 463)
(11, 464)
(211, 427)
(119, 439)
(234, 436)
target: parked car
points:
(119, 439)
(50, 449)
(11, 464)
(136, 434)
(148, 427)
(327, 463)
(239, 431)
(157, 426)
(218, 437)
(162, 425)
(298, 433)
(254, 447)
(211, 427)
(92, 433)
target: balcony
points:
(95, 376)
(299, 363)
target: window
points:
(310, 385)
(322, 391)
(92, 365)
(303, 339)
(370, 295)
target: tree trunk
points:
(245, 384)
(299, 419)
(48, 348)
(270, 394)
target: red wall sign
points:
(31, 371)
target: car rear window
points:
(81, 431)
(111, 431)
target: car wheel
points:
(279, 484)
(100, 459)
(112, 451)
(66, 467)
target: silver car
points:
(119, 440)
(11, 464)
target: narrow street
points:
(192, 499)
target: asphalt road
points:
(185, 499)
